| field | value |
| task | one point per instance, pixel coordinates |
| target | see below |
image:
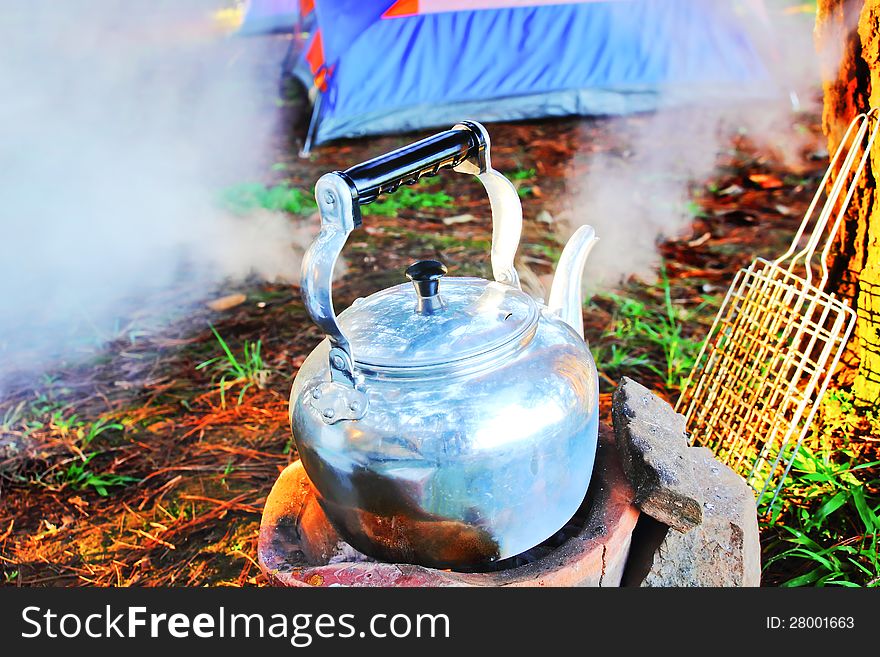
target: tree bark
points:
(848, 39)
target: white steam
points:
(640, 191)
(120, 122)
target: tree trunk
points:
(848, 39)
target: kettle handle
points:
(464, 149)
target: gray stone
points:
(724, 550)
(653, 448)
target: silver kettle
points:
(448, 422)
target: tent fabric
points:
(414, 7)
(383, 72)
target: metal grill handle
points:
(849, 148)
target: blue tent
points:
(399, 65)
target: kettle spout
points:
(566, 298)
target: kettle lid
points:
(414, 326)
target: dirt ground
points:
(131, 469)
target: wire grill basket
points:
(777, 339)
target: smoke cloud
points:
(640, 191)
(120, 122)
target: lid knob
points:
(425, 276)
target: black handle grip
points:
(404, 166)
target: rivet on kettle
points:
(355, 406)
(328, 413)
(338, 363)
(316, 393)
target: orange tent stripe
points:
(402, 8)
(315, 53)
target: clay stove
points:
(658, 513)
(299, 547)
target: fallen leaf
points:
(51, 530)
(459, 219)
(784, 210)
(157, 427)
(732, 190)
(227, 302)
(766, 180)
(77, 501)
(8, 531)
(702, 239)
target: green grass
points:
(54, 418)
(79, 476)
(46, 419)
(446, 242)
(649, 336)
(247, 197)
(229, 469)
(13, 418)
(407, 198)
(98, 427)
(551, 253)
(247, 370)
(523, 174)
(613, 360)
(694, 209)
(826, 529)
(524, 181)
